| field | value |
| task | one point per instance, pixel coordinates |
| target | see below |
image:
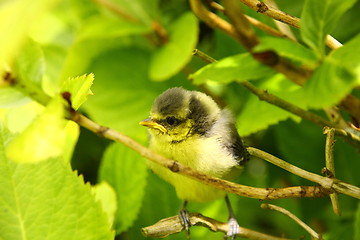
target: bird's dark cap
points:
(170, 102)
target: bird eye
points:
(171, 120)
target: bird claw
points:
(185, 221)
(233, 229)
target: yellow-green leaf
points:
(106, 195)
(44, 138)
(176, 53)
(79, 87)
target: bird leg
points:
(185, 219)
(233, 224)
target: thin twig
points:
(253, 21)
(349, 135)
(297, 74)
(172, 225)
(284, 28)
(278, 15)
(245, 32)
(266, 28)
(330, 168)
(272, 99)
(211, 19)
(327, 183)
(117, 10)
(293, 217)
(203, 56)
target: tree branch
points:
(330, 168)
(281, 103)
(245, 33)
(293, 217)
(172, 225)
(117, 10)
(284, 28)
(281, 16)
(272, 99)
(296, 74)
(254, 22)
(327, 183)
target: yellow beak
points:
(152, 124)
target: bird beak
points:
(152, 124)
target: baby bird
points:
(189, 127)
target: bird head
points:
(178, 114)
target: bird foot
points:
(234, 229)
(185, 221)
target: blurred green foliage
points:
(132, 51)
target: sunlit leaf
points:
(17, 119)
(126, 172)
(44, 138)
(48, 201)
(79, 88)
(30, 63)
(287, 48)
(10, 97)
(106, 195)
(29, 69)
(318, 18)
(100, 27)
(15, 19)
(336, 77)
(140, 10)
(172, 57)
(240, 67)
(258, 115)
(72, 132)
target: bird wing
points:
(237, 148)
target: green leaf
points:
(44, 138)
(126, 172)
(106, 195)
(72, 132)
(29, 70)
(336, 77)
(143, 10)
(15, 20)
(79, 87)
(318, 18)
(47, 201)
(10, 97)
(106, 27)
(240, 67)
(79, 57)
(287, 48)
(258, 115)
(30, 64)
(176, 53)
(357, 223)
(17, 119)
(328, 85)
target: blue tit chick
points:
(189, 127)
